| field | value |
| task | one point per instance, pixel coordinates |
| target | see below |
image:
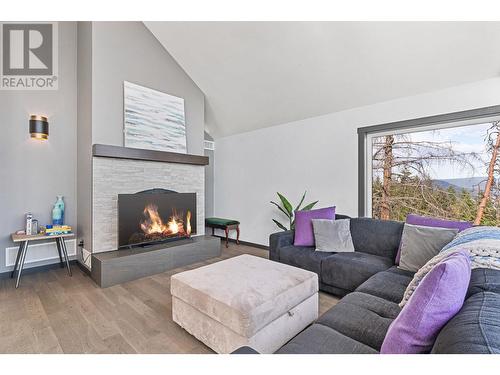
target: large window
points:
(449, 170)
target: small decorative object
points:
(57, 230)
(288, 210)
(39, 127)
(58, 211)
(153, 120)
(29, 223)
(34, 226)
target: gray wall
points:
(127, 51)
(32, 173)
(84, 139)
(110, 53)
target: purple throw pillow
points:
(304, 234)
(427, 221)
(437, 299)
(437, 223)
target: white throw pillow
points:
(333, 235)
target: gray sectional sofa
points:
(376, 243)
(372, 286)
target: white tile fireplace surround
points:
(113, 176)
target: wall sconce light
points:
(39, 127)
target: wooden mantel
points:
(108, 151)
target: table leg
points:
(65, 251)
(59, 250)
(227, 236)
(19, 252)
(21, 262)
(238, 234)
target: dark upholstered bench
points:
(226, 225)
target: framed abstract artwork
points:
(153, 120)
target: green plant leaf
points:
(301, 201)
(286, 204)
(309, 206)
(281, 209)
(281, 226)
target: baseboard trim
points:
(232, 240)
(46, 267)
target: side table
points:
(24, 241)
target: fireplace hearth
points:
(155, 216)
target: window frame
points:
(367, 133)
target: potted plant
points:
(287, 208)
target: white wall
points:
(318, 155)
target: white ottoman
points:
(245, 300)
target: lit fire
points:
(188, 223)
(153, 225)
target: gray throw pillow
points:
(419, 244)
(333, 235)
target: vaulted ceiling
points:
(259, 74)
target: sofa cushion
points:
(389, 285)
(437, 299)
(350, 270)
(333, 290)
(303, 257)
(363, 317)
(484, 280)
(475, 329)
(277, 241)
(399, 271)
(320, 339)
(377, 237)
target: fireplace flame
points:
(173, 226)
(188, 223)
(153, 225)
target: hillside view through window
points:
(450, 173)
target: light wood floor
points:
(53, 313)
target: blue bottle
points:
(58, 211)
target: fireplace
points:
(155, 216)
